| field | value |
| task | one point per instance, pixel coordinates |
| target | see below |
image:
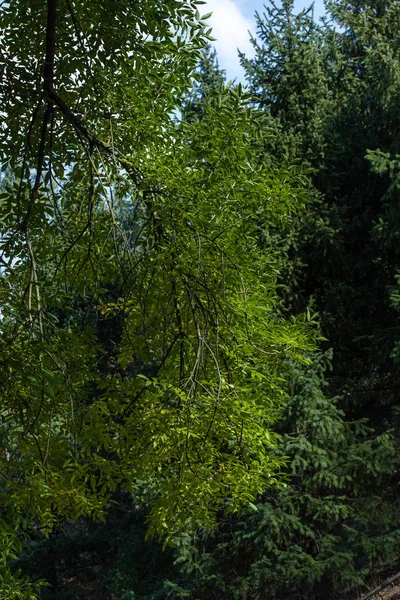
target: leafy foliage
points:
(150, 213)
(140, 340)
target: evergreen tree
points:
(334, 91)
(210, 81)
(334, 524)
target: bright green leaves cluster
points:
(99, 47)
(202, 345)
(140, 337)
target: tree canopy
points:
(199, 290)
(141, 345)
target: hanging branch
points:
(48, 83)
(48, 79)
(92, 139)
(48, 73)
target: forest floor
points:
(390, 593)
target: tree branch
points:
(48, 72)
(381, 586)
(92, 139)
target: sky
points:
(231, 22)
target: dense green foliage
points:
(165, 241)
(141, 344)
(330, 99)
(332, 91)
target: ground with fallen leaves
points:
(392, 592)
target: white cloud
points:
(231, 28)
